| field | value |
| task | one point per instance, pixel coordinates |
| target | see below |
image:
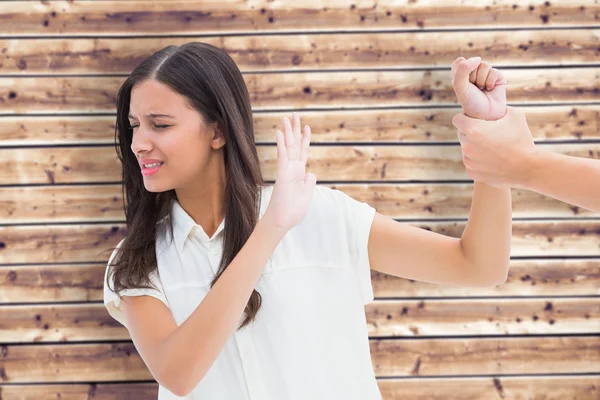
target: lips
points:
(147, 161)
(150, 171)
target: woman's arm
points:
(180, 356)
(481, 256)
(181, 359)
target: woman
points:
(231, 289)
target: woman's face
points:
(166, 128)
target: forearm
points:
(191, 350)
(487, 237)
(575, 180)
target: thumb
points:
(463, 123)
(460, 82)
(310, 179)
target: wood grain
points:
(310, 90)
(29, 244)
(310, 52)
(526, 278)
(389, 318)
(120, 361)
(549, 123)
(104, 203)
(56, 165)
(98, 18)
(553, 387)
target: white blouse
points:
(310, 338)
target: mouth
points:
(151, 169)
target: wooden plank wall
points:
(372, 79)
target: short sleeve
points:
(358, 218)
(112, 302)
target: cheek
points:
(187, 157)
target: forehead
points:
(153, 97)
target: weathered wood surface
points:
(526, 278)
(391, 358)
(528, 387)
(402, 318)
(311, 51)
(310, 90)
(23, 166)
(432, 125)
(93, 242)
(98, 18)
(98, 203)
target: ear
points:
(218, 137)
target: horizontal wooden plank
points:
(432, 357)
(188, 17)
(52, 283)
(537, 277)
(322, 90)
(306, 51)
(94, 243)
(418, 318)
(527, 387)
(547, 124)
(22, 166)
(102, 391)
(98, 203)
(552, 388)
(424, 318)
(562, 277)
(391, 358)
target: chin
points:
(155, 187)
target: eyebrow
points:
(153, 116)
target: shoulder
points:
(115, 251)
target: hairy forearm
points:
(487, 237)
(575, 180)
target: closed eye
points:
(155, 126)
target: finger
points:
(455, 63)
(461, 80)
(289, 139)
(296, 127)
(305, 144)
(461, 137)
(473, 77)
(482, 74)
(490, 82)
(281, 150)
(495, 79)
(463, 123)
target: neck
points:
(204, 203)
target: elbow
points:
(176, 382)
(502, 279)
(176, 387)
(483, 277)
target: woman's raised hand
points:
(294, 187)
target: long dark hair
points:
(212, 83)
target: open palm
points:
(293, 186)
(481, 89)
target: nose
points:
(140, 141)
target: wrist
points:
(533, 163)
(270, 227)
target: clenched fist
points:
(481, 89)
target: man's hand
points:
(498, 153)
(481, 89)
